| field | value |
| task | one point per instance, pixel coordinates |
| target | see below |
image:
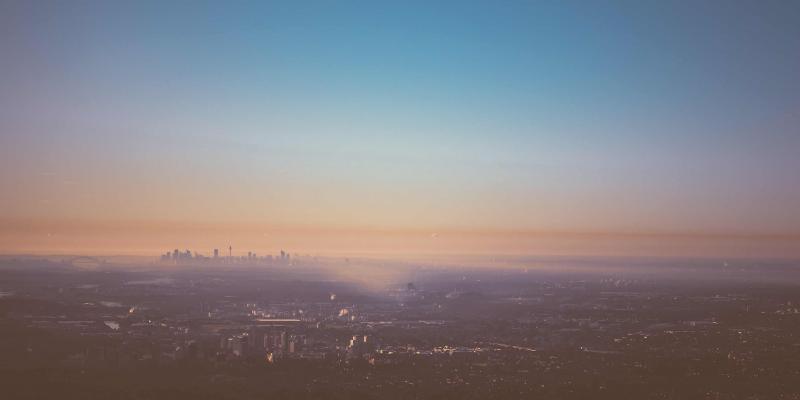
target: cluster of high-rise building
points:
(187, 256)
(271, 344)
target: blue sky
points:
(576, 116)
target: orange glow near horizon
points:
(153, 238)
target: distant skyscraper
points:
(216, 253)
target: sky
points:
(132, 126)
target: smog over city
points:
(399, 200)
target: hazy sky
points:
(592, 116)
